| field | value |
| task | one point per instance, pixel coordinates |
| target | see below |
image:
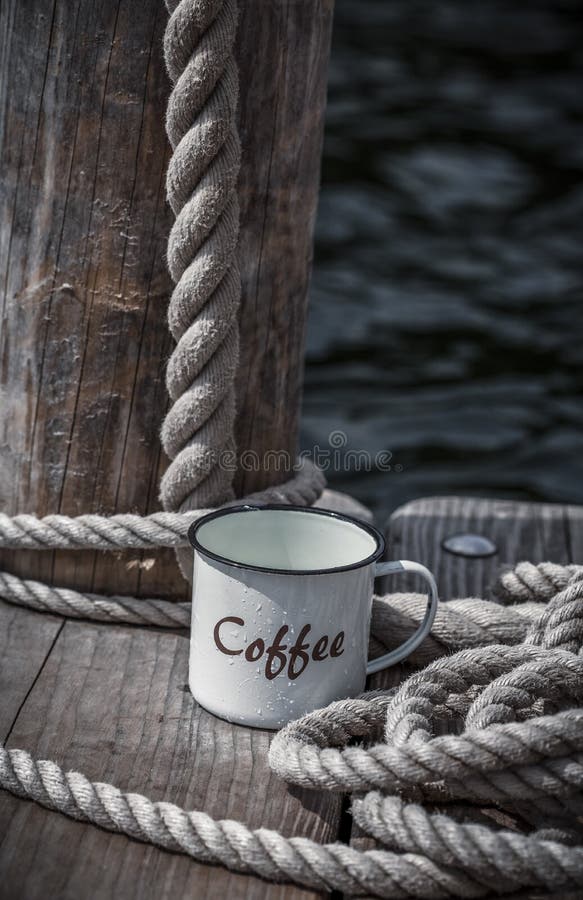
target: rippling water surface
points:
(446, 321)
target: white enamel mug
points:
(281, 607)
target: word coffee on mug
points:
(280, 657)
(281, 608)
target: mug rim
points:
(327, 513)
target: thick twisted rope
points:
(499, 861)
(118, 532)
(459, 623)
(527, 582)
(201, 186)
(265, 852)
(516, 760)
(509, 752)
(125, 531)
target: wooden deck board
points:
(26, 640)
(113, 703)
(522, 531)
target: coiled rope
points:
(511, 751)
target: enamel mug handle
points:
(395, 656)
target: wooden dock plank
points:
(113, 703)
(531, 531)
(574, 526)
(535, 532)
(26, 640)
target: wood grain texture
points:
(535, 532)
(282, 52)
(574, 527)
(83, 280)
(26, 640)
(113, 703)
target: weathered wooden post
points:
(83, 280)
(283, 51)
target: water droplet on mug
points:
(259, 607)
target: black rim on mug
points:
(327, 513)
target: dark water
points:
(446, 319)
